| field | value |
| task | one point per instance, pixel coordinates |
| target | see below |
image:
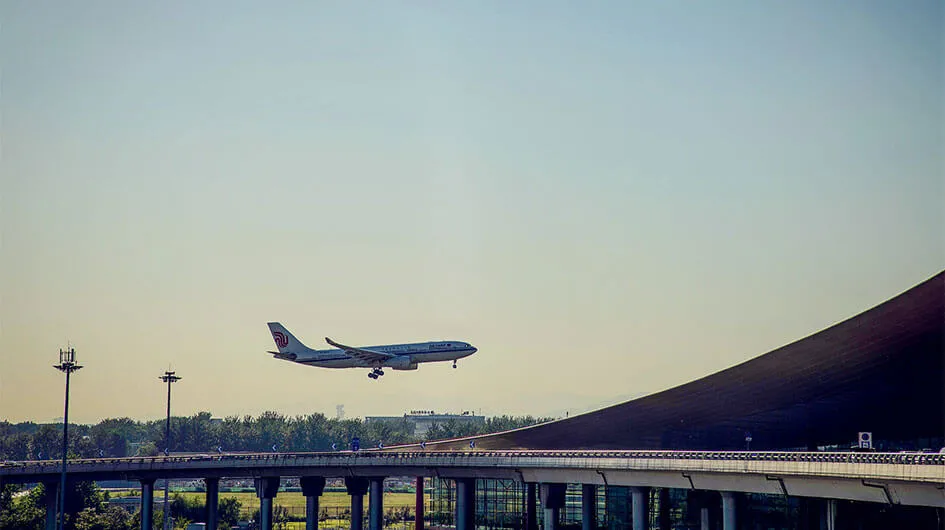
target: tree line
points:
(117, 437)
(87, 508)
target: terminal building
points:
(876, 380)
(423, 420)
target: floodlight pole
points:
(68, 365)
(168, 378)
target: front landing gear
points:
(375, 373)
(454, 363)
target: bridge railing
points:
(901, 458)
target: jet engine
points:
(402, 363)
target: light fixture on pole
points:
(68, 365)
(168, 378)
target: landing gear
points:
(454, 363)
(375, 373)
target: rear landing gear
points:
(454, 363)
(375, 373)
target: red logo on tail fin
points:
(281, 339)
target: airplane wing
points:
(366, 356)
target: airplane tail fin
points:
(285, 341)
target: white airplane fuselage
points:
(405, 354)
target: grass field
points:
(332, 501)
(293, 500)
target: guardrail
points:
(901, 458)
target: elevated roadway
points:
(896, 478)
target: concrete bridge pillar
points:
(465, 504)
(729, 503)
(640, 510)
(552, 500)
(312, 489)
(213, 498)
(147, 503)
(588, 507)
(808, 516)
(266, 490)
(697, 509)
(663, 516)
(357, 487)
(51, 498)
(830, 515)
(419, 502)
(376, 506)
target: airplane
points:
(394, 356)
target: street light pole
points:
(68, 365)
(168, 378)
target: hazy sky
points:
(607, 198)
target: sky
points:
(608, 199)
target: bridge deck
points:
(900, 478)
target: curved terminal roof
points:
(881, 371)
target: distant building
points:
(423, 420)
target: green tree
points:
(270, 431)
(106, 518)
(434, 432)
(190, 508)
(157, 519)
(111, 436)
(314, 432)
(181, 523)
(231, 433)
(81, 443)
(228, 511)
(280, 517)
(148, 449)
(309, 433)
(84, 494)
(29, 511)
(195, 433)
(22, 513)
(47, 442)
(15, 446)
